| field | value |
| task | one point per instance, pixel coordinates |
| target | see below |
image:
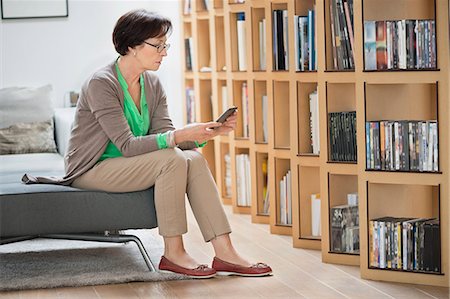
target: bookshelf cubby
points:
(261, 215)
(220, 44)
(308, 184)
(258, 14)
(281, 114)
(394, 95)
(261, 111)
(239, 96)
(304, 89)
(331, 55)
(240, 182)
(282, 166)
(204, 52)
(340, 98)
(413, 201)
(339, 187)
(224, 176)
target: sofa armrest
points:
(64, 118)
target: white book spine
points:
(242, 48)
(315, 215)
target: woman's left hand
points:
(229, 125)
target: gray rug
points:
(45, 263)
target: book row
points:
(405, 244)
(305, 42)
(342, 39)
(402, 145)
(342, 126)
(402, 44)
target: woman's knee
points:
(174, 157)
(195, 160)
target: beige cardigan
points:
(99, 118)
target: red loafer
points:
(202, 271)
(226, 268)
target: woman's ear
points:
(132, 51)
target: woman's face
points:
(151, 53)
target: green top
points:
(139, 122)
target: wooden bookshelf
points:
(394, 95)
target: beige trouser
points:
(174, 173)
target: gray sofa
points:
(52, 211)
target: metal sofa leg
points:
(111, 238)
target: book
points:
(370, 47)
(241, 41)
(315, 215)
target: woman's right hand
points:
(199, 132)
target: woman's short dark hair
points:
(134, 27)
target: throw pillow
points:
(23, 138)
(25, 105)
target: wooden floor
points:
(297, 274)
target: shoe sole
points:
(227, 273)
(190, 276)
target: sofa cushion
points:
(26, 120)
(25, 105)
(13, 167)
(23, 138)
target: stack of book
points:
(280, 40)
(243, 176)
(345, 229)
(341, 21)
(405, 244)
(402, 145)
(286, 200)
(403, 44)
(305, 42)
(190, 105)
(342, 127)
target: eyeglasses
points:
(159, 48)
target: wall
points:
(64, 51)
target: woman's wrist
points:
(178, 135)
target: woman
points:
(123, 140)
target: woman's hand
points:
(229, 125)
(199, 132)
(202, 132)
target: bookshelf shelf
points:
(396, 95)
